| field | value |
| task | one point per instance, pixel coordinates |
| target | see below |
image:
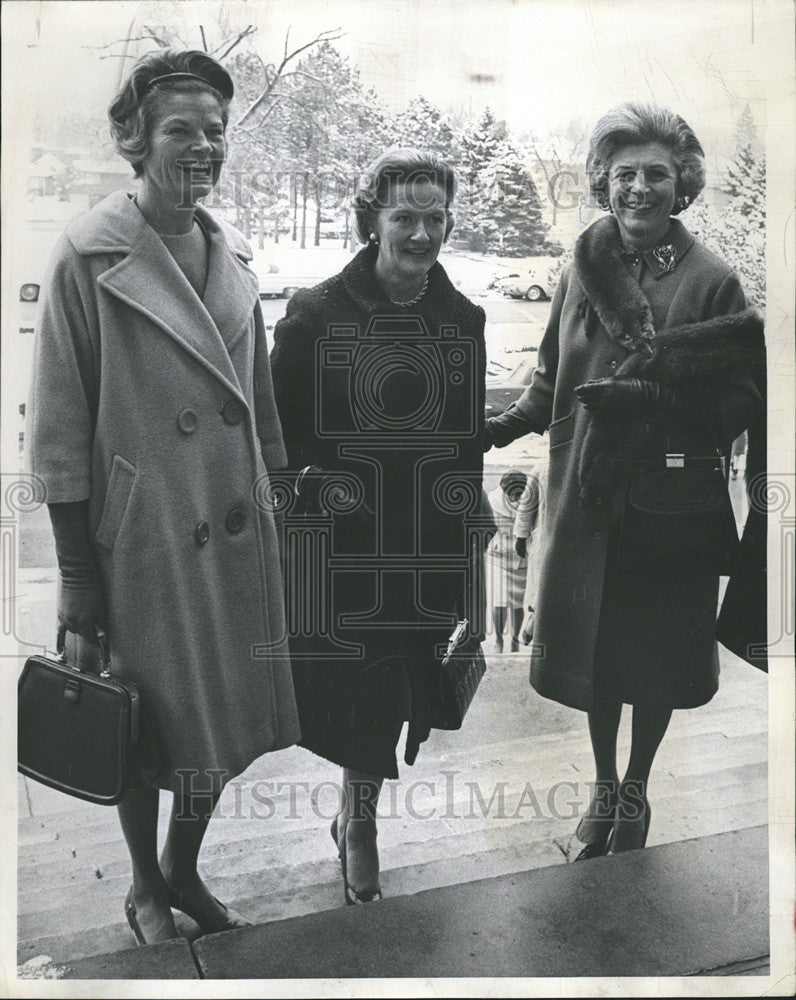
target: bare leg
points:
(190, 815)
(603, 728)
(650, 723)
(356, 830)
(499, 620)
(138, 815)
(516, 625)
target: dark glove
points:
(521, 547)
(81, 605)
(504, 428)
(626, 397)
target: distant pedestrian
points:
(506, 570)
(529, 536)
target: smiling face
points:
(642, 188)
(187, 148)
(411, 229)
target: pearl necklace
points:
(416, 299)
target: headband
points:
(222, 82)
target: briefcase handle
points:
(102, 643)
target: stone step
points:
(278, 891)
(551, 761)
(672, 910)
(692, 908)
(264, 844)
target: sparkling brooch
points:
(665, 256)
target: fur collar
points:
(612, 291)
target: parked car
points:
(294, 269)
(530, 280)
(274, 284)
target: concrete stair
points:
(692, 908)
(268, 852)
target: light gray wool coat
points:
(157, 407)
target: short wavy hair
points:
(634, 123)
(396, 166)
(134, 109)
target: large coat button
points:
(236, 519)
(202, 533)
(187, 420)
(233, 411)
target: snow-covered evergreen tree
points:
(512, 221)
(424, 126)
(736, 230)
(479, 144)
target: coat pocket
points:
(679, 519)
(561, 430)
(120, 485)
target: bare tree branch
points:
(204, 40)
(250, 30)
(120, 41)
(324, 36)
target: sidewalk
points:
(499, 797)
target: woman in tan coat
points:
(153, 426)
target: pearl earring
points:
(373, 238)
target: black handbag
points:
(461, 671)
(77, 729)
(679, 517)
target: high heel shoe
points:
(598, 847)
(352, 897)
(131, 913)
(619, 842)
(226, 920)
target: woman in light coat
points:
(152, 427)
(650, 366)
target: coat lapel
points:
(232, 289)
(148, 279)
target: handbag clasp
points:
(72, 692)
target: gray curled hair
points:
(133, 110)
(634, 123)
(395, 166)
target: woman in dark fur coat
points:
(651, 365)
(379, 381)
